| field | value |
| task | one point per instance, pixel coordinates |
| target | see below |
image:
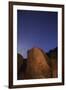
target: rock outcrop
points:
(54, 68)
(37, 66)
(19, 61)
(21, 67)
(54, 62)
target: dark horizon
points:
(36, 29)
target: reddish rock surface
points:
(37, 66)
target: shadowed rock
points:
(54, 68)
(21, 67)
(19, 61)
(54, 62)
(37, 66)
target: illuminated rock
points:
(37, 66)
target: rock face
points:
(19, 61)
(53, 61)
(37, 66)
(54, 68)
(21, 67)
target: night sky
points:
(36, 29)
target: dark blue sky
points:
(36, 29)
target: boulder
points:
(37, 65)
(53, 55)
(21, 66)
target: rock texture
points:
(21, 67)
(54, 68)
(37, 66)
(19, 61)
(54, 62)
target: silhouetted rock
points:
(21, 66)
(54, 61)
(54, 68)
(53, 53)
(37, 66)
(19, 61)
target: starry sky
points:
(36, 29)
